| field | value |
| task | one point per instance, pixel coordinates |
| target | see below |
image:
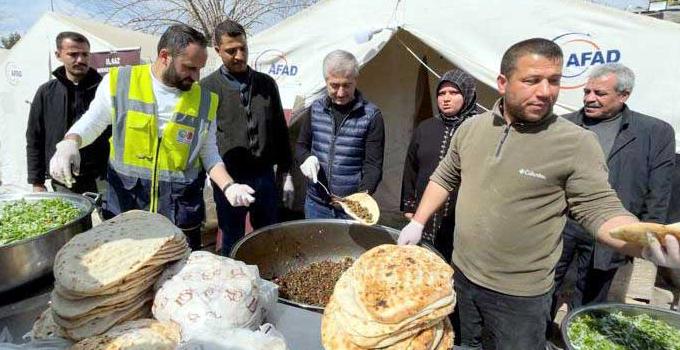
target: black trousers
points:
(592, 285)
(514, 322)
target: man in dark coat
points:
(252, 135)
(57, 105)
(640, 153)
(456, 101)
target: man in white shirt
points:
(163, 133)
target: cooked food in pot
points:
(312, 284)
(25, 219)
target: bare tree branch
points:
(156, 15)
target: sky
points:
(19, 16)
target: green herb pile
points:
(24, 219)
(616, 331)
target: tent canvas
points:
(468, 34)
(29, 64)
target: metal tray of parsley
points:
(33, 227)
(621, 326)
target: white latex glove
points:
(65, 160)
(288, 192)
(411, 233)
(310, 168)
(668, 256)
(239, 195)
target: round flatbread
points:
(395, 282)
(138, 334)
(105, 255)
(364, 200)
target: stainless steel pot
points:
(279, 248)
(668, 316)
(29, 259)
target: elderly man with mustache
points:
(640, 155)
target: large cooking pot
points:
(29, 259)
(277, 249)
(668, 316)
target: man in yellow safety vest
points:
(163, 136)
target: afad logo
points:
(275, 63)
(581, 53)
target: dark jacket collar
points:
(625, 117)
(91, 79)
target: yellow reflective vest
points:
(138, 150)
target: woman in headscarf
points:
(456, 101)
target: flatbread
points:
(105, 255)
(366, 201)
(393, 283)
(367, 331)
(149, 277)
(448, 338)
(334, 337)
(68, 308)
(131, 304)
(101, 325)
(637, 233)
(45, 327)
(138, 334)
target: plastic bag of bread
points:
(211, 293)
(266, 338)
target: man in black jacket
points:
(56, 107)
(252, 135)
(640, 153)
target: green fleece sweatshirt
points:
(517, 183)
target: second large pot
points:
(29, 259)
(279, 248)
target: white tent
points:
(469, 34)
(29, 64)
(3, 54)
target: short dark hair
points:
(77, 37)
(177, 37)
(538, 46)
(229, 28)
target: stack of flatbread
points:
(392, 297)
(138, 334)
(105, 276)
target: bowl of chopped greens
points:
(32, 229)
(621, 327)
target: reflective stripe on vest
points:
(136, 148)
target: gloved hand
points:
(411, 233)
(310, 168)
(65, 159)
(288, 192)
(239, 195)
(668, 256)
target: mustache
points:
(593, 105)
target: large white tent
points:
(29, 64)
(385, 35)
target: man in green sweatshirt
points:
(519, 169)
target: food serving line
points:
(276, 250)
(295, 244)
